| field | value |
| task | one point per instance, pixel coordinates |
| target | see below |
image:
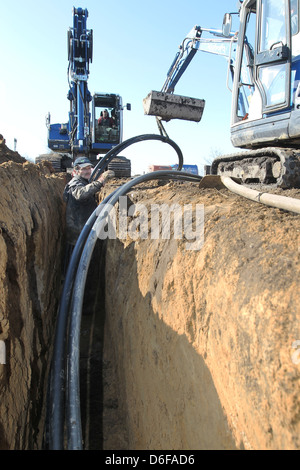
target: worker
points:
(105, 120)
(79, 195)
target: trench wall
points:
(31, 236)
(203, 340)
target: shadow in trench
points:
(91, 352)
(166, 390)
(98, 384)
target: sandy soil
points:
(194, 349)
(204, 339)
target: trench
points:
(196, 349)
(74, 289)
(178, 349)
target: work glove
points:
(106, 175)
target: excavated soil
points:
(31, 240)
(204, 340)
(182, 349)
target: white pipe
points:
(280, 202)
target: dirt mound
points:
(204, 340)
(7, 155)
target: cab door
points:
(273, 54)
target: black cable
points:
(57, 379)
(99, 168)
(73, 388)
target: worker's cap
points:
(82, 162)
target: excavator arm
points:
(80, 50)
(195, 41)
(165, 105)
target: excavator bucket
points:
(168, 106)
(211, 181)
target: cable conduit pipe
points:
(273, 200)
(57, 373)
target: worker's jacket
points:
(79, 195)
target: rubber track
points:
(289, 158)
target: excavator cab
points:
(266, 75)
(107, 118)
(265, 116)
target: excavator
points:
(85, 133)
(263, 75)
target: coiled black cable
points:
(57, 376)
(71, 303)
(73, 389)
(99, 168)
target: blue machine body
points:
(85, 132)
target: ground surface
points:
(188, 348)
(204, 338)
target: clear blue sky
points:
(134, 44)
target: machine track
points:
(59, 161)
(121, 167)
(270, 165)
